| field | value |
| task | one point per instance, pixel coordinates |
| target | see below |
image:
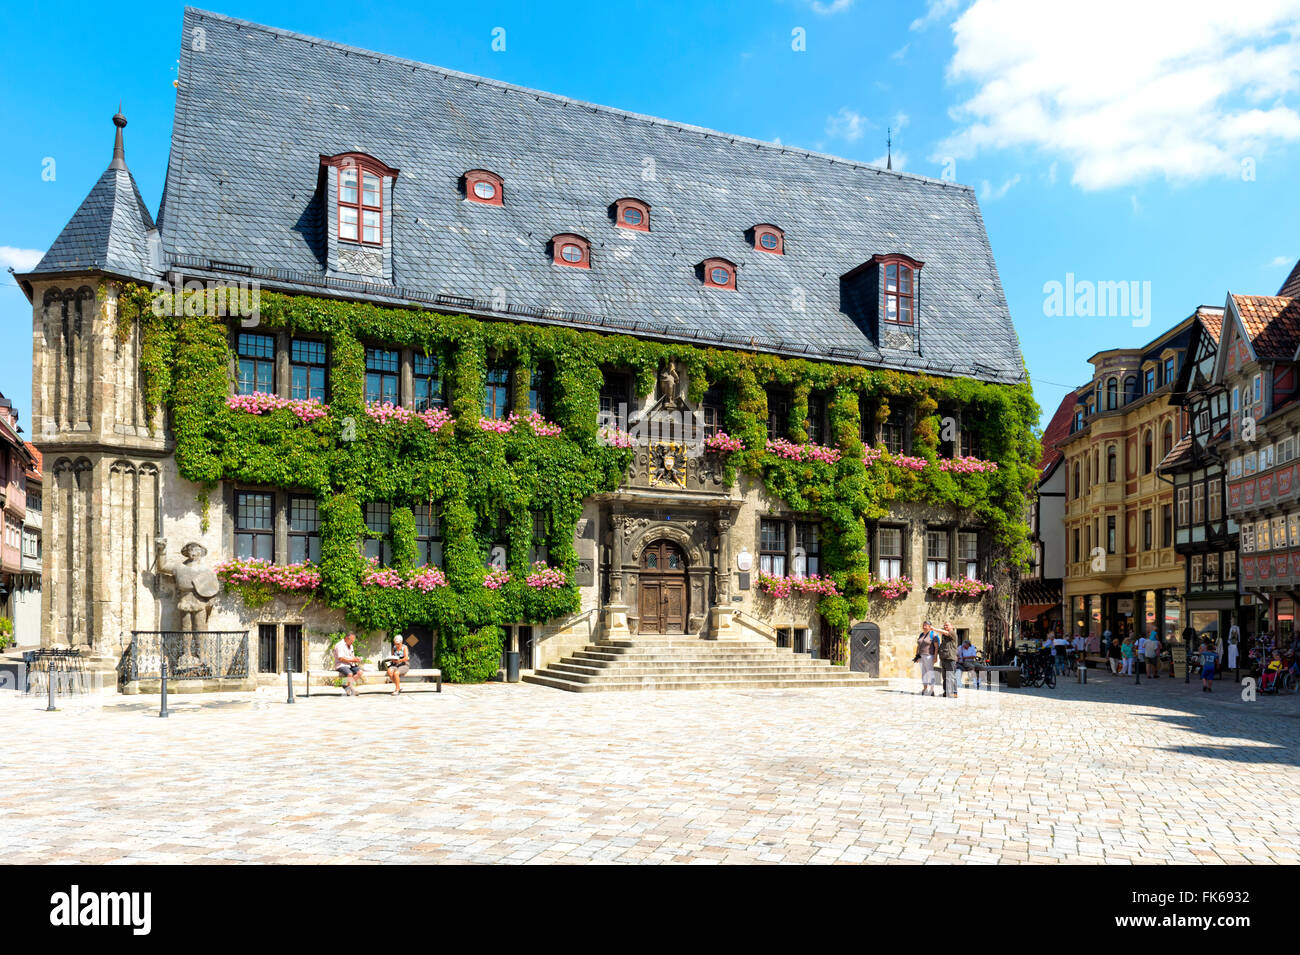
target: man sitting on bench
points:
(347, 663)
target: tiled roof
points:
(34, 472)
(1057, 430)
(1180, 453)
(258, 107)
(110, 231)
(1291, 287)
(1272, 323)
(1212, 318)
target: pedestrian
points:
(1209, 661)
(1234, 645)
(1128, 651)
(347, 663)
(927, 645)
(1114, 656)
(1151, 650)
(948, 659)
(966, 657)
(1218, 649)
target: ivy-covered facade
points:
(359, 455)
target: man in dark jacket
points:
(948, 657)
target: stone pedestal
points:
(616, 626)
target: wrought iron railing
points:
(63, 668)
(211, 655)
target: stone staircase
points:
(678, 662)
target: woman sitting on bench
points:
(399, 664)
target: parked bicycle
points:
(1037, 669)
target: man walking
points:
(948, 659)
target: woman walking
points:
(926, 648)
(1126, 651)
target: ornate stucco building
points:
(1123, 573)
(297, 168)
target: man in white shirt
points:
(347, 663)
(966, 656)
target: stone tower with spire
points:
(103, 456)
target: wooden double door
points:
(663, 589)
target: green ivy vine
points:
(485, 484)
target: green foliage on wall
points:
(486, 484)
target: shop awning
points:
(1031, 611)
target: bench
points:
(1010, 675)
(371, 676)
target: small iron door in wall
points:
(864, 649)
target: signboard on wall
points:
(1178, 651)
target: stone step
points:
(558, 682)
(711, 672)
(686, 654)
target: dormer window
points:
(632, 214)
(486, 188)
(898, 286)
(572, 250)
(768, 238)
(718, 273)
(359, 196)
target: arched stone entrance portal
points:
(663, 592)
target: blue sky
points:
(1111, 140)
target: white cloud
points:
(834, 6)
(1280, 260)
(1127, 91)
(847, 124)
(900, 52)
(936, 10)
(990, 194)
(21, 260)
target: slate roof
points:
(109, 231)
(257, 107)
(1272, 324)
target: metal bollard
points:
(162, 711)
(288, 672)
(49, 682)
(1083, 673)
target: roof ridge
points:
(569, 101)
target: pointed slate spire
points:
(112, 230)
(119, 152)
(889, 147)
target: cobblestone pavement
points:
(1106, 772)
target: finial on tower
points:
(889, 147)
(119, 153)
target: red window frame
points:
(559, 242)
(362, 165)
(474, 176)
(903, 294)
(707, 267)
(765, 228)
(622, 205)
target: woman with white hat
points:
(399, 664)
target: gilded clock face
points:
(667, 466)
